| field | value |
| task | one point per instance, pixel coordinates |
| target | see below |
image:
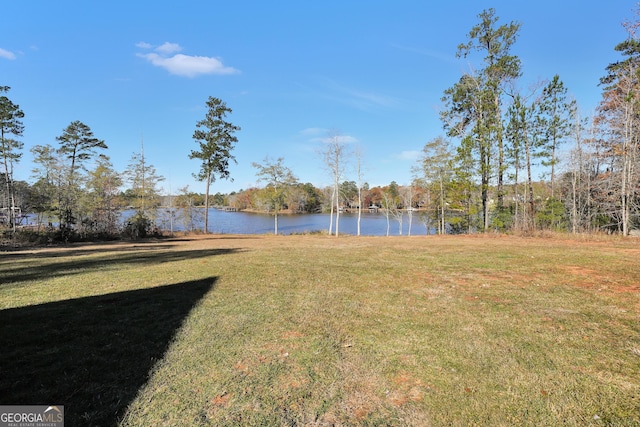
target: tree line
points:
(478, 176)
(77, 193)
(504, 132)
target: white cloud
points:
(168, 48)
(183, 65)
(6, 54)
(189, 66)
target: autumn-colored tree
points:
(619, 112)
(278, 179)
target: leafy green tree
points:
(216, 139)
(465, 117)
(514, 135)
(190, 215)
(435, 167)
(525, 133)
(78, 145)
(10, 149)
(553, 215)
(518, 134)
(313, 198)
(473, 106)
(103, 186)
(218, 199)
(138, 226)
(278, 179)
(501, 67)
(143, 182)
(48, 188)
(394, 191)
(348, 192)
(40, 200)
(557, 111)
(463, 188)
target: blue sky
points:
(292, 71)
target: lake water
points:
(221, 222)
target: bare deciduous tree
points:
(334, 154)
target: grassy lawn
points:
(312, 330)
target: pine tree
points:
(11, 149)
(216, 139)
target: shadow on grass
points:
(55, 267)
(80, 249)
(91, 354)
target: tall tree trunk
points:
(553, 168)
(206, 204)
(143, 172)
(485, 160)
(574, 202)
(337, 184)
(442, 221)
(627, 176)
(625, 196)
(12, 195)
(9, 185)
(331, 212)
(359, 207)
(275, 226)
(388, 224)
(501, 167)
(530, 221)
(516, 195)
(469, 203)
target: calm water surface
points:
(372, 224)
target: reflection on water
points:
(372, 224)
(221, 222)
